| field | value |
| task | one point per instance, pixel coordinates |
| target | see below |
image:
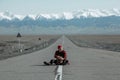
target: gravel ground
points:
(106, 42)
(10, 47)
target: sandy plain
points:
(10, 45)
(105, 42)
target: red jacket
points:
(62, 54)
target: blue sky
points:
(54, 6)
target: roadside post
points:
(19, 41)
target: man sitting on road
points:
(61, 57)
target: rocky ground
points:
(106, 42)
(11, 46)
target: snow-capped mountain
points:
(65, 15)
(90, 21)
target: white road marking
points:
(58, 72)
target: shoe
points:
(46, 63)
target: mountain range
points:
(87, 13)
(82, 21)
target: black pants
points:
(57, 62)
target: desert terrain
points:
(105, 42)
(10, 45)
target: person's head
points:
(60, 48)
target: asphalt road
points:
(85, 64)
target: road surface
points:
(85, 64)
